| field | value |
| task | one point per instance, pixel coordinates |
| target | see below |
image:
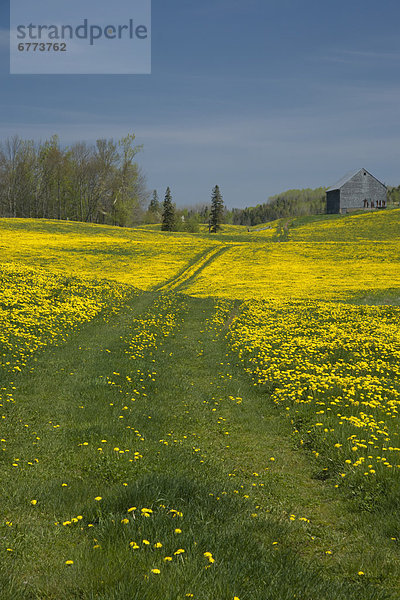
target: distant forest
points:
(98, 183)
(292, 203)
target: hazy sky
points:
(258, 96)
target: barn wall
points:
(359, 188)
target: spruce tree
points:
(217, 210)
(154, 205)
(168, 216)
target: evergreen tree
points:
(168, 216)
(217, 210)
(154, 205)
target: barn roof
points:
(347, 178)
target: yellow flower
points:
(69, 562)
(156, 571)
(133, 545)
(158, 545)
(179, 551)
(168, 558)
(178, 530)
(33, 502)
(98, 498)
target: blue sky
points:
(258, 96)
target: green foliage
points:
(153, 213)
(217, 210)
(168, 222)
(97, 184)
(154, 205)
(287, 204)
(394, 196)
(192, 224)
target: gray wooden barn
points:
(358, 190)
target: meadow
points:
(200, 416)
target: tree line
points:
(102, 183)
(292, 203)
(172, 219)
(287, 204)
(99, 183)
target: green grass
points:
(186, 430)
(205, 436)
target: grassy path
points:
(191, 271)
(149, 410)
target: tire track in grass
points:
(214, 411)
(191, 271)
(205, 431)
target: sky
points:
(257, 96)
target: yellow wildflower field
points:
(335, 369)
(38, 308)
(295, 270)
(328, 258)
(138, 257)
(175, 444)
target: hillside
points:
(197, 416)
(307, 257)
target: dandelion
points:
(133, 545)
(98, 498)
(69, 562)
(33, 502)
(156, 571)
